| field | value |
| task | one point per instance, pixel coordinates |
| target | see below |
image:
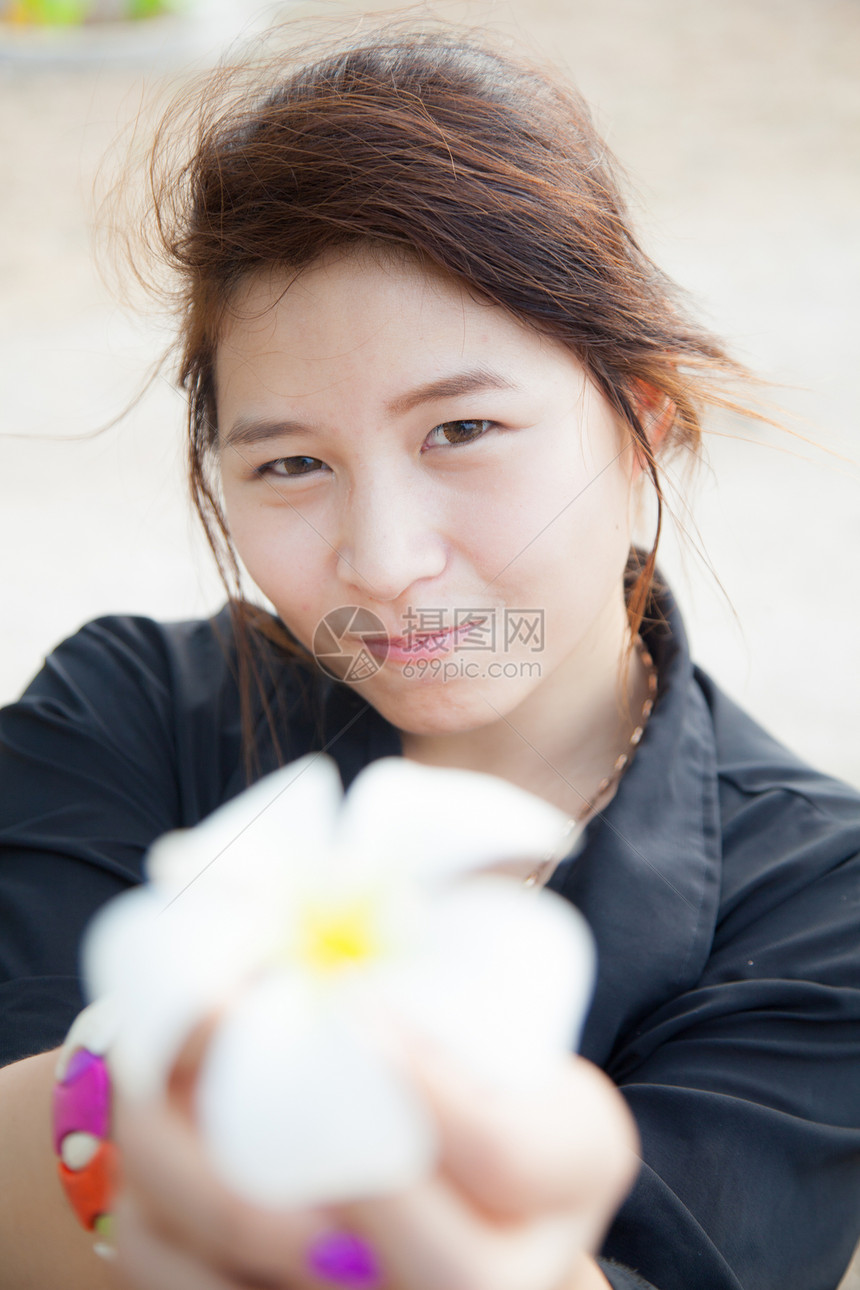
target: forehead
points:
(362, 315)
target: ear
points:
(656, 412)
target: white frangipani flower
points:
(318, 927)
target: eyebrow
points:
(449, 387)
(246, 432)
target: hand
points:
(525, 1190)
(523, 1193)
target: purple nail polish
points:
(346, 1260)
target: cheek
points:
(284, 556)
(567, 554)
(566, 513)
(495, 514)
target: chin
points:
(436, 709)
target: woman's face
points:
(391, 444)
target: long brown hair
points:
(421, 139)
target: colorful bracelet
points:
(87, 1163)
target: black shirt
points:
(722, 884)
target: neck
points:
(565, 737)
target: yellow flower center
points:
(338, 938)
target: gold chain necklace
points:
(542, 872)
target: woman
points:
(428, 369)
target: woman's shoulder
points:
(790, 850)
(768, 792)
(708, 736)
(136, 662)
(185, 662)
(739, 831)
(152, 698)
(752, 760)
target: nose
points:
(388, 539)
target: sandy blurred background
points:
(739, 123)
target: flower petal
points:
(506, 984)
(441, 822)
(280, 825)
(166, 970)
(297, 1107)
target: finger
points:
(573, 1143)
(166, 1171)
(185, 1072)
(146, 1261)
(430, 1238)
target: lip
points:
(420, 645)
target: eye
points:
(289, 467)
(456, 433)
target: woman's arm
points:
(42, 1243)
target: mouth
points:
(419, 643)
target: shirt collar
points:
(648, 875)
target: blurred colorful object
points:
(74, 13)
